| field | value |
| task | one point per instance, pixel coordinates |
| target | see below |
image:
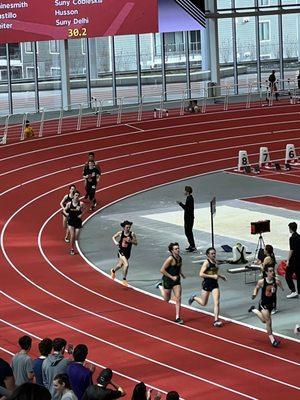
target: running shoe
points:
(158, 284)
(72, 252)
(276, 343)
(297, 329)
(179, 321)
(192, 249)
(67, 240)
(188, 248)
(217, 324)
(292, 295)
(124, 282)
(112, 274)
(251, 308)
(191, 299)
(274, 311)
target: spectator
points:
(298, 80)
(172, 396)
(22, 363)
(7, 380)
(61, 384)
(79, 375)
(100, 391)
(140, 392)
(28, 130)
(30, 391)
(293, 261)
(55, 364)
(272, 84)
(45, 347)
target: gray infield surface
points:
(155, 235)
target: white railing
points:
(101, 112)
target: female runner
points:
(91, 176)
(268, 285)
(210, 274)
(124, 239)
(66, 199)
(172, 272)
(74, 211)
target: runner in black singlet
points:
(66, 199)
(124, 239)
(74, 211)
(172, 273)
(91, 175)
(210, 274)
(268, 285)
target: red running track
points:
(45, 292)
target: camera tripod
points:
(260, 246)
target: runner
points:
(268, 298)
(73, 211)
(124, 239)
(210, 274)
(91, 175)
(172, 272)
(86, 165)
(66, 199)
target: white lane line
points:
(135, 127)
(88, 360)
(135, 354)
(159, 129)
(44, 194)
(152, 161)
(6, 351)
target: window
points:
(30, 72)
(264, 30)
(54, 47)
(28, 47)
(264, 2)
(83, 46)
(55, 71)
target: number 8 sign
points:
(243, 160)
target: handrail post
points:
(79, 118)
(161, 105)
(140, 111)
(100, 108)
(42, 123)
(119, 119)
(4, 139)
(59, 127)
(23, 126)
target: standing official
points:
(293, 261)
(189, 217)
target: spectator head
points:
(59, 345)
(27, 123)
(188, 190)
(30, 391)
(273, 71)
(25, 342)
(139, 392)
(45, 347)
(61, 382)
(172, 396)
(105, 377)
(269, 249)
(293, 227)
(80, 353)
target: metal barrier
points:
(100, 112)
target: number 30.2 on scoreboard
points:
(77, 32)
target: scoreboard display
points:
(38, 20)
